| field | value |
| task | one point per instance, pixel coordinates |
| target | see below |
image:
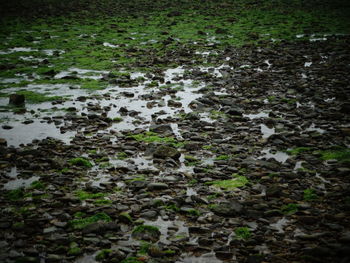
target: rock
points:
(224, 255)
(100, 227)
(236, 111)
(164, 152)
(157, 186)
(16, 99)
(3, 142)
(164, 129)
(146, 232)
(149, 214)
(273, 191)
(232, 208)
(7, 127)
(345, 238)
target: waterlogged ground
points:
(216, 135)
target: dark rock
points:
(3, 142)
(7, 127)
(17, 99)
(232, 208)
(157, 186)
(164, 129)
(224, 255)
(149, 214)
(164, 152)
(273, 191)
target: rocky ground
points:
(238, 154)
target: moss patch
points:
(230, 184)
(80, 223)
(80, 161)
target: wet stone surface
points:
(246, 160)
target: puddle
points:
(51, 52)
(106, 44)
(81, 73)
(279, 225)
(51, 89)
(257, 115)
(266, 131)
(20, 183)
(313, 128)
(164, 226)
(205, 258)
(26, 133)
(17, 49)
(87, 258)
(140, 162)
(281, 157)
(190, 191)
(13, 173)
(298, 165)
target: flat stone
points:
(164, 152)
(228, 209)
(157, 186)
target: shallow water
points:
(164, 226)
(205, 258)
(266, 131)
(281, 157)
(20, 183)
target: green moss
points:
(131, 260)
(74, 249)
(338, 153)
(230, 184)
(83, 222)
(310, 195)
(37, 185)
(151, 137)
(14, 195)
(242, 233)
(191, 160)
(117, 119)
(193, 212)
(93, 85)
(126, 218)
(298, 150)
(216, 115)
(103, 254)
(35, 97)
(145, 228)
(144, 248)
(122, 155)
(172, 207)
(82, 195)
(80, 161)
(289, 209)
(222, 157)
(103, 202)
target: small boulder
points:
(232, 208)
(17, 99)
(164, 152)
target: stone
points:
(224, 255)
(273, 191)
(17, 99)
(162, 129)
(149, 214)
(232, 208)
(164, 152)
(3, 142)
(157, 186)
